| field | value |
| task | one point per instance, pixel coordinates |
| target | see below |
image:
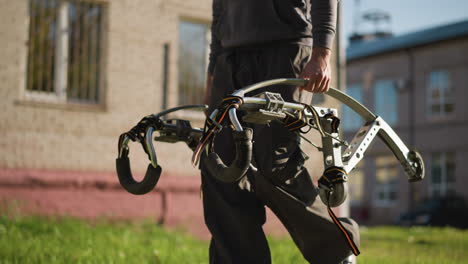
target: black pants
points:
(235, 215)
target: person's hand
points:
(317, 71)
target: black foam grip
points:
(128, 182)
(241, 162)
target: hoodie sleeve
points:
(324, 14)
(215, 46)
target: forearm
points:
(324, 15)
(321, 52)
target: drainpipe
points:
(165, 76)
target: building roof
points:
(364, 49)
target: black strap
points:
(331, 176)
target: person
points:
(253, 41)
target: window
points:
(64, 50)
(387, 171)
(356, 184)
(386, 101)
(442, 174)
(351, 120)
(193, 57)
(441, 99)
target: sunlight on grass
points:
(40, 240)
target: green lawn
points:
(39, 240)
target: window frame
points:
(206, 24)
(442, 114)
(444, 186)
(59, 97)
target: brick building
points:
(74, 75)
(417, 83)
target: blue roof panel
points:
(368, 48)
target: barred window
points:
(193, 57)
(65, 50)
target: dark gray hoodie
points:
(240, 23)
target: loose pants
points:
(235, 215)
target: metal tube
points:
(351, 103)
(284, 81)
(337, 94)
(150, 146)
(213, 114)
(124, 146)
(235, 122)
(262, 101)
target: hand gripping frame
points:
(262, 109)
(267, 107)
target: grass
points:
(415, 245)
(40, 240)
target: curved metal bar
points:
(332, 92)
(170, 110)
(150, 146)
(213, 114)
(124, 146)
(262, 101)
(352, 103)
(234, 120)
(284, 81)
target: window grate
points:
(42, 41)
(64, 56)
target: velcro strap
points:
(293, 123)
(335, 122)
(333, 175)
(330, 177)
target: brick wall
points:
(42, 135)
(66, 139)
(37, 134)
